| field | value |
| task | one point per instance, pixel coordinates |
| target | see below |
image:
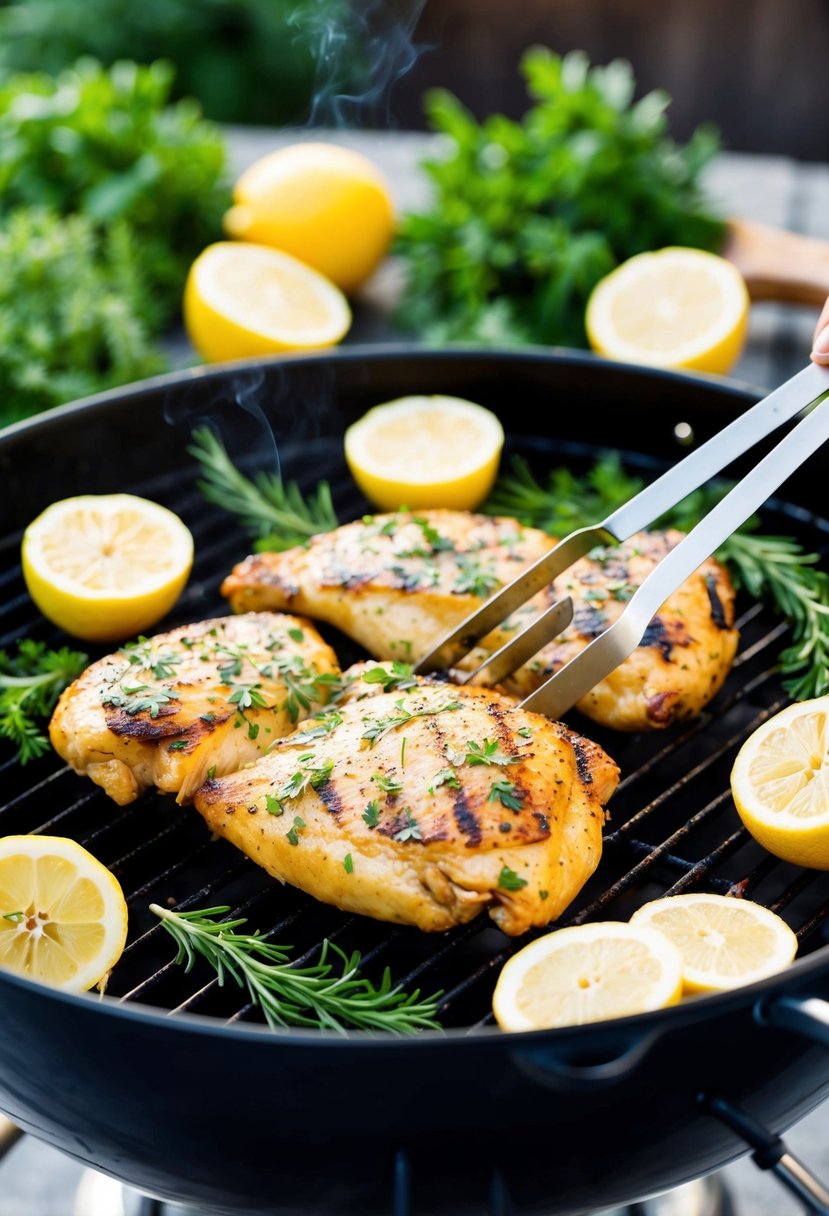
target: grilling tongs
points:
(804, 393)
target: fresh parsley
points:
(508, 880)
(508, 794)
(488, 752)
(30, 683)
(397, 676)
(527, 216)
(410, 829)
(371, 814)
(376, 728)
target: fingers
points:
(820, 344)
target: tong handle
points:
(734, 440)
(621, 638)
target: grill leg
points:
(770, 1153)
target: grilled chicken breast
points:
(422, 805)
(683, 658)
(398, 582)
(203, 699)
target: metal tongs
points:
(802, 394)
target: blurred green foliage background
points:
(247, 61)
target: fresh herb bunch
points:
(30, 683)
(271, 510)
(527, 217)
(105, 143)
(296, 996)
(73, 311)
(775, 568)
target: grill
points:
(673, 826)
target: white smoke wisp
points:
(362, 47)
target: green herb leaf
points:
(371, 814)
(273, 511)
(316, 995)
(508, 880)
(508, 794)
(31, 681)
(488, 752)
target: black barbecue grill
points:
(172, 1084)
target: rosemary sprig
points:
(775, 568)
(272, 510)
(296, 996)
(30, 683)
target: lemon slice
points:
(425, 452)
(326, 205)
(674, 308)
(587, 973)
(105, 567)
(724, 942)
(63, 917)
(243, 300)
(780, 784)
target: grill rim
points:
(634, 1026)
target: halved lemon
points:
(244, 300)
(780, 784)
(673, 308)
(724, 942)
(425, 452)
(326, 205)
(63, 917)
(104, 567)
(587, 973)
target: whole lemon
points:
(328, 206)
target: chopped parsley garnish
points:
(410, 829)
(248, 696)
(348, 864)
(211, 772)
(433, 538)
(387, 785)
(474, 577)
(296, 635)
(178, 746)
(526, 732)
(543, 894)
(253, 730)
(273, 806)
(325, 723)
(446, 776)
(508, 880)
(488, 752)
(302, 778)
(376, 728)
(137, 698)
(292, 835)
(399, 676)
(508, 794)
(371, 814)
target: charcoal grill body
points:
(237, 1119)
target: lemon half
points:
(246, 300)
(425, 452)
(780, 784)
(724, 942)
(63, 917)
(587, 973)
(105, 567)
(677, 307)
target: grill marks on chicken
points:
(423, 805)
(686, 651)
(394, 583)
(398, 582)
(202, 699)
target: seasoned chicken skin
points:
(684, 656)
(202, 699)
(422, 805)
(397, 583)
(394, 583)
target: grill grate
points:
(673, 826)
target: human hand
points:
(820, 342)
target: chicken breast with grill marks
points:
(202, 699)
(423, 805)
(399, 582)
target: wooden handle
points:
(779, 265)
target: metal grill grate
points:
(673, 826)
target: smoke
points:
(362, 47)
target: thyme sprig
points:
(317, 995)
(30, 683)
(273, 511)
(775, 568)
